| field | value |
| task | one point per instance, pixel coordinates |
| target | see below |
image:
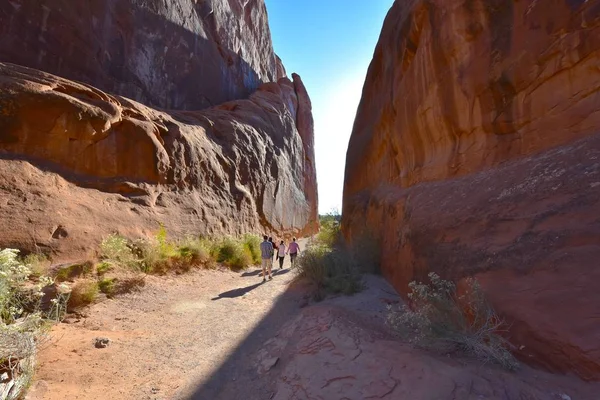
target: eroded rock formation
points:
(238, 167)
(475, 151)
(177, 54)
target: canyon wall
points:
(475, 152)
(81, 159)
(177, 54)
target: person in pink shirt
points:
(293, 250)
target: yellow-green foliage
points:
(70, 272)
(234, 253)
(329, 233)
(37, 263)
(159, 255)
(104, 267)
(107, 286)
(252, 246)
(118, 249)
(84, 292)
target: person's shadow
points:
(252, 273)
(230, 294)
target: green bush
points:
(252, 246)
(21, 324)
(195, 252)
(70, 272)
(103, 267)
(439, 319)
(107, 286)
(234, 254)
(84, 292)
(330, 230)
(119, 250)
(37, 263)
(329, 270)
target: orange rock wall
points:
(475, 153)
(74, 154)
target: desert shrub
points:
(329, 233)
(195, 252)
(329, 270)
(18, 345)
(440, 319)
(233, 253)
(15, 295)
(119, 250)
(21, 325)
(84, 292)
(104, 267)
(72, 271)
(252, 246)
(37, 263)
(107, 286)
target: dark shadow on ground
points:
(237, 378)
(230, 294)
(252, 273)
(281, 272)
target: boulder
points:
(475, 153)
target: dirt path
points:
(177, 336)
(224, 335)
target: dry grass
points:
(329, 270)
(441, 320)
(84, 292)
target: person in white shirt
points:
(281, 254)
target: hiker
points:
(274, 248)
(266, 253)
(281, 254)
(293, 250)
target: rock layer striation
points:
(475, 153)
(78, 163)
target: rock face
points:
(176, 54)
(344, 351)
(475, 152)
(238, 167)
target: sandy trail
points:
(225, 335)
(169, 339)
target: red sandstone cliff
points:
(475, 151)
(177, 54)
(78, 161)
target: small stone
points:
(269, 363)
(101, 343)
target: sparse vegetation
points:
(329, 270)
(72, 271)
(438, 318)
(330, 233)
(158, 255)
(117, 249)
(21, 323)
(330, 265)
(83, 293)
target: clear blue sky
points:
(329, 43)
